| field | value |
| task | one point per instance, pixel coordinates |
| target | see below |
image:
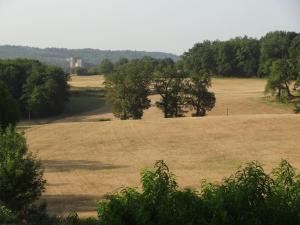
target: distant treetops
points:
(31, 88)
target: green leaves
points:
(21, 182)
(9, 110)
(128, 88)
(250, 196)
(39, 89)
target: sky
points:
(172, 26)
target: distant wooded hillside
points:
(90, 57)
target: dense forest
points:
(90, 57)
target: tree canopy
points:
(128, 88)
(9, 112)
(39, 89)
(21, 175)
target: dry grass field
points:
(86, 81)
(85, 158)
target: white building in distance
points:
(75, 62)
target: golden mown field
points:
(85, 158)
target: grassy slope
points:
(83, 161)
(87, 160)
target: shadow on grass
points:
(83, 100)
(70, 165)
(64, 204)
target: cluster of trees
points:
(275, 56)
(281, 57)
(179, 85)
(250, 196)
(33, 87)
(244, 56)
(237, 57)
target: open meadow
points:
(85, 158)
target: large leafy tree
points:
(281, 75)
(197, 96)
(9, 112)
(21, 175)
(284, 78)
(274, 46)
(168, 83)
(128, 88)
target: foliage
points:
(6, 215)
(46, 91)
(21, 182)
(280, 78)
(284, 77)
(197, 95)
(9, 112)
(237, 57)
(274, 45)
(128, 88)
(168, 83)
(199, 66)
(38, 88)
(201, 58)
(250, 196)
(106, 67)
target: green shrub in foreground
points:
(250, 196)
(21, 182)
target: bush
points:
(21, 182)
(250, 196)
(6, 216)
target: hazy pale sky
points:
(152, 25)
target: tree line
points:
(30, 87)
(245, 56)
(184, 84)
(276, 56)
